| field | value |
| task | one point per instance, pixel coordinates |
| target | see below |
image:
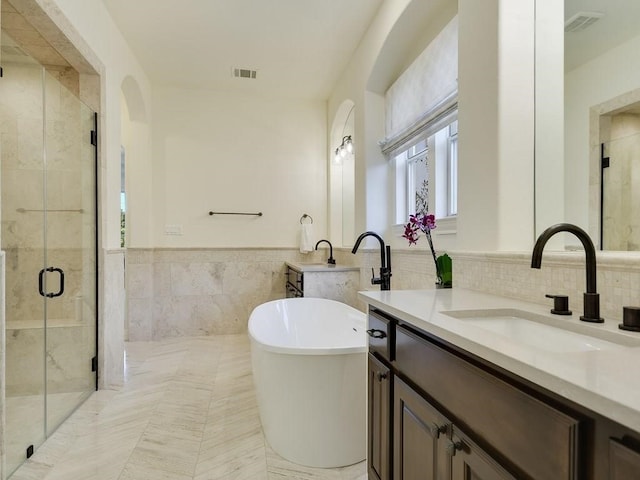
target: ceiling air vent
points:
(582, 20)
(244, 73)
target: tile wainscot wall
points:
(190, 292)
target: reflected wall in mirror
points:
(600, 92)
(342, 177)
(620, 175)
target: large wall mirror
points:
(588, 118)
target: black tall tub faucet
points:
(384, 280)
(591, 297)
(330, 260)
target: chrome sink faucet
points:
(384, 280)
(330, 260)
(591, 297)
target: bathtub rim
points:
(309, 350)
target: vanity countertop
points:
(320, 267)
(607, 381)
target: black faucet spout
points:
(591, 297)
(374, 235)
(330, 260)
(385, 260)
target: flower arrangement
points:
(425, 222)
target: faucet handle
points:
(560, 304)
(374, 280)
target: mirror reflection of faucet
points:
(384, 280)
(330, 260)
(591, 297)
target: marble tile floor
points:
(25, 421)
(187, 411)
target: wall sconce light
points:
(345, 147)
(347, 143)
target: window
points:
(427, 174)
(123, 198)
(452, 170)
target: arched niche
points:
(135, 141)
(134, 101)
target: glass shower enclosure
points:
(619, 197)
(48, 208)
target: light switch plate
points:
(173, 229)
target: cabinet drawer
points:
(381, 335)
(535, 437)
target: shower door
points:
(48, 201)
(67, 279)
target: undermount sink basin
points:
(542, 332)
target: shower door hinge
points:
(94, 138)
(30, 451)
(1, 72)
(94, 364)
(605, 162)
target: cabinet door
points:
(419, 437)
(469, 462)
(379, 419)
(624, 463)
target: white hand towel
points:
(306, 238)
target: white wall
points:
(232, 152)
(496, 122)
(496, 125)
(372, 177)
(92, 22)
(549, 128)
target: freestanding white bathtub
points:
(309, 367)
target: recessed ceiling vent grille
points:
(581, 21)
(244, 73)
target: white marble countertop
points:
(606, 381)
(320, 267)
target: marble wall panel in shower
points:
(66, 372)
(24, 302)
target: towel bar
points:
(258, 214)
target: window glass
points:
(427, 175)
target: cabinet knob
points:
(453, 447)
(382, 376)
(376, 333)
(436, 429)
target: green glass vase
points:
(445, 271)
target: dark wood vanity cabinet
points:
(429, 446)
(420, 436)
(436, 412)
(624, 462)
(379, 420)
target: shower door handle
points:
(41, 282)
